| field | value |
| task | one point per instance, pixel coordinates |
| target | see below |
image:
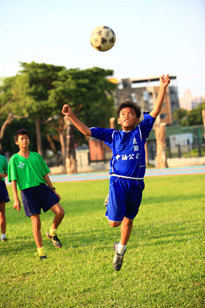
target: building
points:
(144, 92)
(189, 102)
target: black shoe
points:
(118, 259)
(42, 257)
(4, 239)
(54, 239)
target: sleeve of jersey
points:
(12, 173)
(146, 125)
(104, 134)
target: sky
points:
(154, 37)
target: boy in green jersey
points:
(28, 172)
(4, 197)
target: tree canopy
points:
(189, 117)
(39, 91)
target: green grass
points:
(163, 265)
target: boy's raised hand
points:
(164, 81)
(66, 110)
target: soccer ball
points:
(102, 38)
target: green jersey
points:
(3, 165)
(28, 172)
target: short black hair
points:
(130, 104)
(19, 132)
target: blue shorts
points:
(4, 196)
(36, 198)
(125, 196)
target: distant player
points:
(4, 197)
(29, 173)
(127, 166)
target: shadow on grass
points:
(103, 238)
(73, 208)
(162, 233)
(16, 245)
(148, 235)
(98, 233)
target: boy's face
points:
(127, 119)
(23, 141)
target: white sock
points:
(3, 236)
(121, 248)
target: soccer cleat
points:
(118, 259)
(54, 239)
(42, 257)
(4, 239)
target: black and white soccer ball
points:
(102, 38)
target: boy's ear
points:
(137, 120)
(118, 121)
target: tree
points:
(6, 98)
(39, 79)
(179, 114)
(42, 89)
(189, 117)
(194, 116)
(89, 93)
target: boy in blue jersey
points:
(127, 166)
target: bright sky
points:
(154, 37)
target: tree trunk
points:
(70, 162)
(52, 145)
(8, 120)
(62, 143)
(38, 137)
(160, 134)
(203, 118)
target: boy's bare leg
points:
(120, 248)
(126, 230)
(59, 214)
(2, 218)
(36, 225)
(52, 233)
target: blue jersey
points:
(127, 147)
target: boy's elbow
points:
(88, 133)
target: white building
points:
(189, 102)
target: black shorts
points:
(36, 198)
(4, 196)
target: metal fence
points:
(178, 151)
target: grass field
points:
(163, 265)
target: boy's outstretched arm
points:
(66, 110)
(164, 82)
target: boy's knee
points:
(61, 213)
(58, 211)
(127, 222)
(114, 223)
